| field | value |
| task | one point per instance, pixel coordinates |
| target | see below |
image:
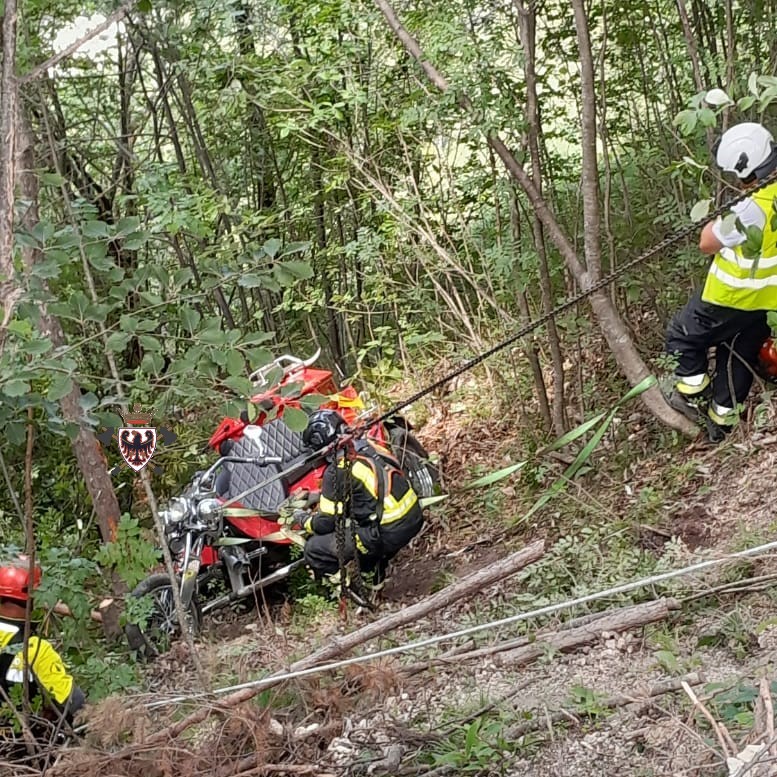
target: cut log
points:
(339, 646)
(568, 639)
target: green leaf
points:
(240, 385)
(428, 501)
(668, 661)
(296, 420)
(117, 341)
(213, 336)
(707, 117)
(149, 343)
(60, 387)
(746, 102)
(312, 402)
(235, 363)
(294, 248)
(152, 363)
(16, 388)
(686, 121)
(272, 246)
(752, 84)
(298, 269)
(126, 225)
(37, 347)
(251, 281)
(144, 6)
(43, 231)
(700, 209)
(95, 229)
(255, 339)
(128, 323)
(190, 318)
(135, 241)
(495, 477)
(573, 434)
(717, 97)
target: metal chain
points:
(659, 247)
(342, 514)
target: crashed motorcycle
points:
(223, 531)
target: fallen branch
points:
(611, 702)
(724, 738)
(461, 653)
(339, 646)
(567, 639)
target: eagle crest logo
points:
(137, 439)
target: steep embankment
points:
(637, 512)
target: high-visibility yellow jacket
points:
(372, 474)
(734, 281)
(47, 673)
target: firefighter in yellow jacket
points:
(730, 310)
(53, 693)
(375, 494)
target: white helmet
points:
(744, 149)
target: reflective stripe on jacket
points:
(733, 281)
(372, 471)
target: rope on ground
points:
(490, 625)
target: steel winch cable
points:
(661, 246)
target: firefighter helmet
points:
(15, 579)
(747, 150)
(323, 428)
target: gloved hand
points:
(293, 517)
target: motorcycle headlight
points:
(209, 510)
(176, 511)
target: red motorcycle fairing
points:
(258, 528)
(209, 555)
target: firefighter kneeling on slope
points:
(54, 696)
(378, 498)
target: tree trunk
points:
(9, 291)
(528, 23)
(623, 348)
(89, 454)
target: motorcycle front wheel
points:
(161, 626)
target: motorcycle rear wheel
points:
(162, 626)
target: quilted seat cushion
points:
(273, 439)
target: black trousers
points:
(738, 336)
(321, 549)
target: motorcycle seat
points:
(272, 439)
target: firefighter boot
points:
(720, 421)
(690, 396)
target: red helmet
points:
(15, 579)
(768, 357)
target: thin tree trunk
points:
(523, 306)
(528, 24)
(89, 454)
(690, 42)
(9, 291)
(616, 334)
